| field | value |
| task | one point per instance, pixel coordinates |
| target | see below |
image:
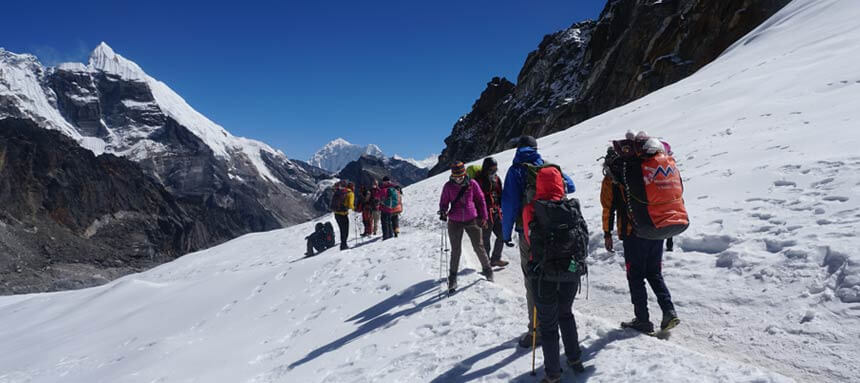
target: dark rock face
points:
(71, 219)
(633, 49)
(368, 168)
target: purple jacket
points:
(470, 206)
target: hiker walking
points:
(491, 186)
(558, 239)
(462, 205)
(341, 203)
(514, 199)
(642, 240)
(389, 205)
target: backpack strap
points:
(463, 190)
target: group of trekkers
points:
(641, 187)
(379, 206)
(641, 193)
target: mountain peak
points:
(104, 59)
(339, 152)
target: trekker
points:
(321, 239)
(491, 186)
(396, 211)
(462, 206)
(341, 203)
(376, 215)
(366, 207)
(558, 239)
(513, 202)
(643, 257)
(390, 206)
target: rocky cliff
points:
(634, 48)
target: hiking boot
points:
(639, 325)
(488, 273)
(452, 285)
(670, 320)
(498, 263)
(551, 379)
(526, 340)
(344, 247)
(576, 365)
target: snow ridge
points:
(335, 155)
(22, 76)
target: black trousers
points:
(387, 225)
(554, 303)
(644, 261)
(343, 225)
(494, 228)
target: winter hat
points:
(386, 179)
(630, 135)
(527, 141)
(642, 136)
(653, 145)
(458, 169)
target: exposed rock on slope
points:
(633, 49)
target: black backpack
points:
(329, 234)
(559, 241)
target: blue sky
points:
(297, 74)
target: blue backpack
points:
(393, 198)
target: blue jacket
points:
(512, 193)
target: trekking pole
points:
(441, 258)
(534, 339)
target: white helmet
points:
(642, 136)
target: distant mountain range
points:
(335, 155)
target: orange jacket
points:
(614, 203)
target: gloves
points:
(443, 216)
(509, 244)
(484, 223)
(607, 242)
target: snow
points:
(765, 280)
(426, 163)
(20, 76)
(104, 59)
(335, 155)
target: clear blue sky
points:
(297, 74)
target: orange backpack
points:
(654, 193)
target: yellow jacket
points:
(349, 203)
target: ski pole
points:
(534, 339)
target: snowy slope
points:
(335, 155)
(765, 280)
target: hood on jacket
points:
(527, 155)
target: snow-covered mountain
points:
(426, 163)
(335, 155)
(230, 185)
(766, 280)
